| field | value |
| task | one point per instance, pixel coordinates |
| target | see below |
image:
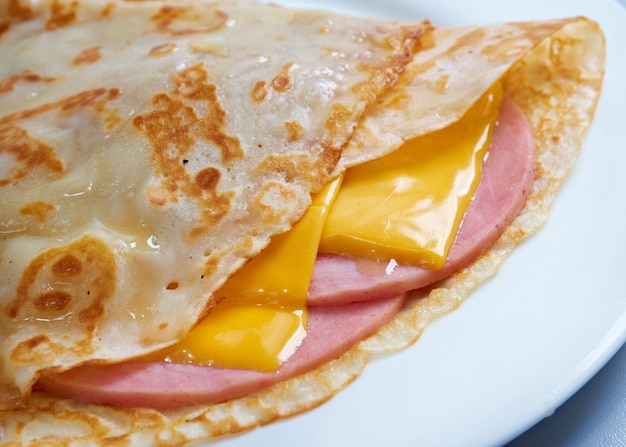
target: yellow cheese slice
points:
(409, 205)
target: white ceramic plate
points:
(531, 336)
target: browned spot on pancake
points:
(159, 196)
(35, 341)
(61, 14)
(282, 82)
(87, 56)
(398, 101)
(35, 349)
(89, 315)
(37, 209)
(426, 42)
(337, 120)
(213, 207)
(96, 98)
(385, 75)
(16, 9)
(62, 283)
(163, 325)
(300, 167)
(468, 41)
(112, 118)
(173, 122)
(416, 69)
(168, 127)
(54, 300)
(208, 178)
(259, 91)
(181, 20)
(518, 234)
(67, 266)
(107, 10)
(211, 264)
(270, 197)
(288, 167)
(25, 76)
(295, 129)
(175, 128)
(4, 27)
(193, 84)
(172, 285)
(330, 156)
(27, 154)
(163, 49)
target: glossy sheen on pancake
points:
(148, 149)
(573, 79)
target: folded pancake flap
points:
(149, 149)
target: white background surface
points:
(527, 339)
(594, 417)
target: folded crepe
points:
(200, 142)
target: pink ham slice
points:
(350, 299)
(507, 178)
(331, 331)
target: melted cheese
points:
(261, 318)
(406, 206)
